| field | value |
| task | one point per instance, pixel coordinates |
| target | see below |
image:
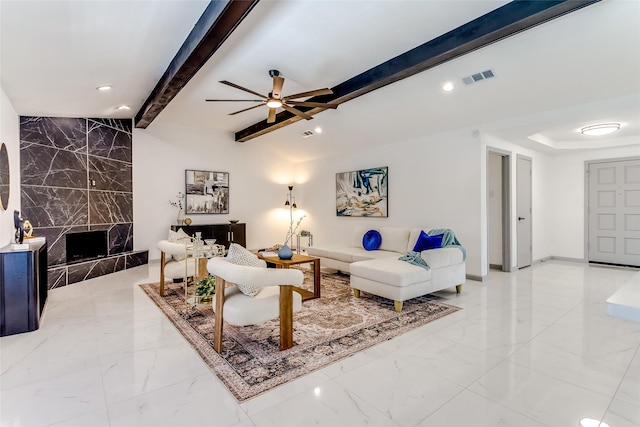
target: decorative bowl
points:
(234, 221)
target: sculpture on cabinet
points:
(19, 225)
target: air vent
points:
(307, 133)
(476, 77)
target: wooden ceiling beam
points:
(215, 25)
(506, 21)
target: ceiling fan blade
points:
(312, 104)
(296, 112)
(277, 87)
(272, 115)
(234, 100)
(246, 109)
(316, 92)
(224, 82)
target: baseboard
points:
(564, 258)
(540, 261)
(476, 278)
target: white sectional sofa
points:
(381, 273)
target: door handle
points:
(520, 218)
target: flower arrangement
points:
(292, 230)
(178, 202)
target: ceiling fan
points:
(276, 100)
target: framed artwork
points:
(206, 192)
(362, 193)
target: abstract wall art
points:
(362, 193)
(207, 192)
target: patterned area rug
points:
(327, 329)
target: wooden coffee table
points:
(300, 259)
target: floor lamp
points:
(291, 203)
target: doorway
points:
(523, 211)
(499, 209)
(613, 212)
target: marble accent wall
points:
(76, 175)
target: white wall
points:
(10, 135)
(257, 182)
(568, 197)
(433, 183)
(436, 181)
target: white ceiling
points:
(580, 69)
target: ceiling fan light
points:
(601, 129)
(274, 103)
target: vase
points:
(285, 252)
(180, 218)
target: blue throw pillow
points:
(371, 240)
(428, 242)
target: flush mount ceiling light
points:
(601, 129)
(123, 107)
(104, 88)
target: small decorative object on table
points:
(285, 252)
(234, 221)
(178, 203)
(19, 236)
(18, 223)
(187, 221)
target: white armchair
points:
(169, 267)
(275, 298)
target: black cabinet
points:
(225, 234)
(23, 288)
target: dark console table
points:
(225, 234)
(23, 288)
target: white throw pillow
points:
(179, 236)
(240, 256)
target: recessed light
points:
(590, 422)
(601, 129)
(318, 129)
(104, 88)
(123, 107)
(447, 87)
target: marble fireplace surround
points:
(76, 175)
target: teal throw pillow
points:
(371, 240)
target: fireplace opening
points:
(86, 245)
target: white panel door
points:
(614, 212)
(523, 210)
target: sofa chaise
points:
(381, 272)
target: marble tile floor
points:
(530, 348)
